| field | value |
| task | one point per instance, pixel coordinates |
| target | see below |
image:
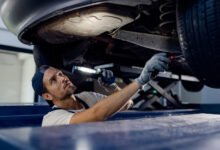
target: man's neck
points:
(69, 103)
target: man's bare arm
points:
(106, 107)
(130, 102)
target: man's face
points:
(58, 84)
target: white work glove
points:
(158, 63)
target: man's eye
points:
(60, 74)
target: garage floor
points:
(182, 132)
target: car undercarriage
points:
(123, 33)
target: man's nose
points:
(63, 79)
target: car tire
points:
(198, 26)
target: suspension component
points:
(168, 16)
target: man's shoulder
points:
(90, 93)
(57, 117)
(56, 112)
(90, 97)
(86, 93)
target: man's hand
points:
(107, 80)
(159, 62)
(107, 77)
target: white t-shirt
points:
(62, 117)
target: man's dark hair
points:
(37, 82)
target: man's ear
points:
(47, 96)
